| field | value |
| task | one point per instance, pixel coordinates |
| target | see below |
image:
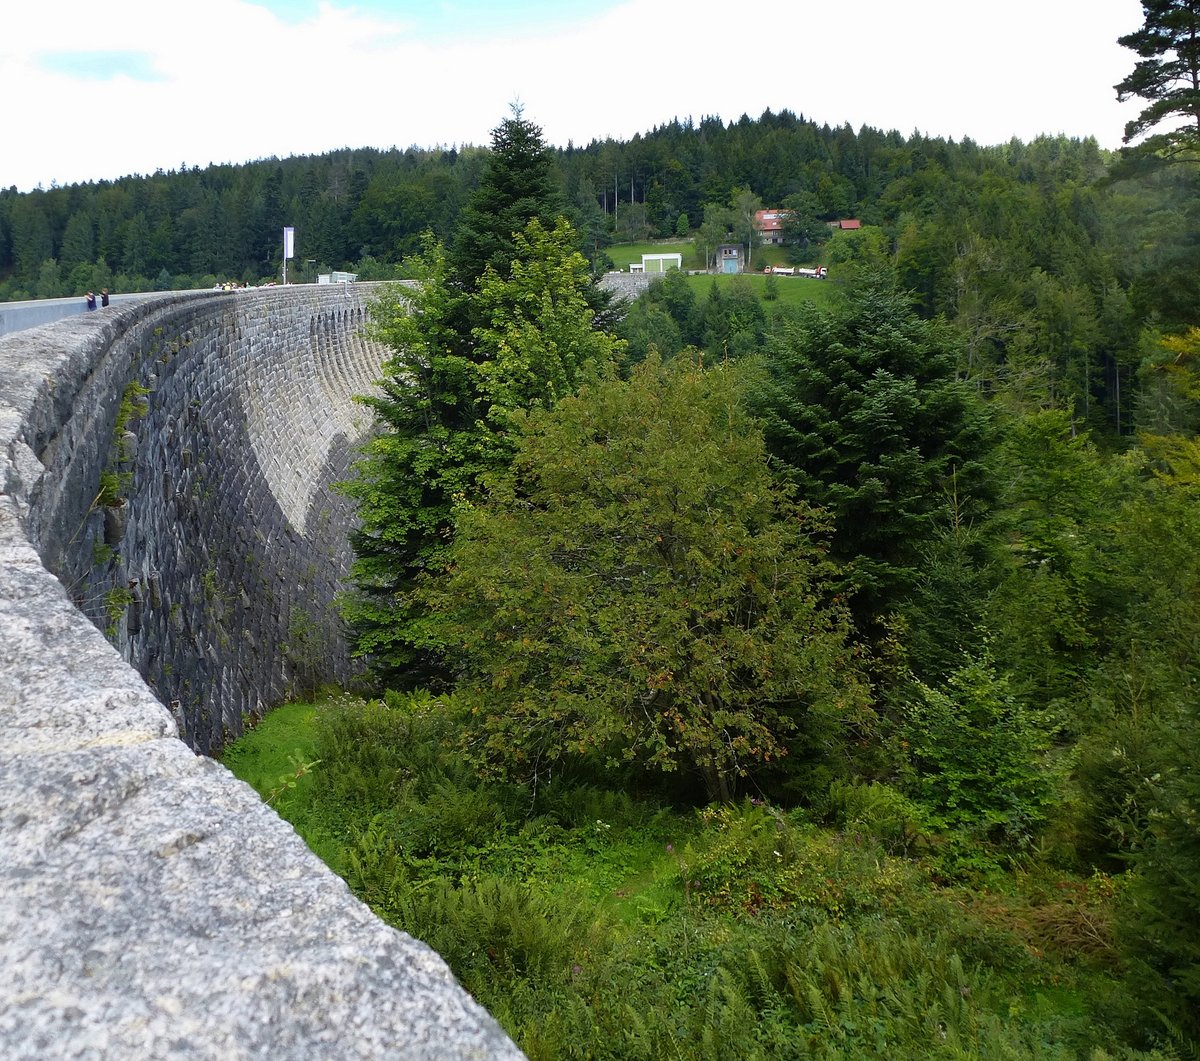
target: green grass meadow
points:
(624, 255)
(787, 290)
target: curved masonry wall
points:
(214, 555)
(152, 906)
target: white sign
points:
(289, 243)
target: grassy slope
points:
(605, 918)
(277, 759)
(790, 290)
(625, 254)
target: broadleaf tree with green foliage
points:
(539, 329)
(637, 590)
(801, 227)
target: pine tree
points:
(1168, 75)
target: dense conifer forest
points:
(751, 677)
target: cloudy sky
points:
(100, 90)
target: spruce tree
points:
(436, 419)
(444, 414)
(422, 454)
(1161, 929)
(865, 416)
(518, 185)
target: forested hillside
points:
(762, 677)
(756, 677)
(1050, 265)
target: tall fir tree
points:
(517, 186)
(436, 434)
(864, 413)
(415, 463)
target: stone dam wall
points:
(187, 504)
(165, 474)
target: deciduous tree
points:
(801, 228)
(745, 206)
(636, 589)
(538, 332)
(714, 230)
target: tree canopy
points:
(443, 415)
(1167, 75)
(636, 588)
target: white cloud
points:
(237, 83)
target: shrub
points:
(975, 756)
(754, 857)
(878, 811)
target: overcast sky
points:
(101, 90)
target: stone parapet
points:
(170, 462)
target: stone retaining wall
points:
(151, 905)
(628, 286)
(196, 523)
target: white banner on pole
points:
(289, 243)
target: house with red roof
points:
(769, 225)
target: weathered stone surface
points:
(217, 486)
(628, 286)
(153, 907)
(150, 905)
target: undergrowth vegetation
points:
(783, 680)
(602, 921)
